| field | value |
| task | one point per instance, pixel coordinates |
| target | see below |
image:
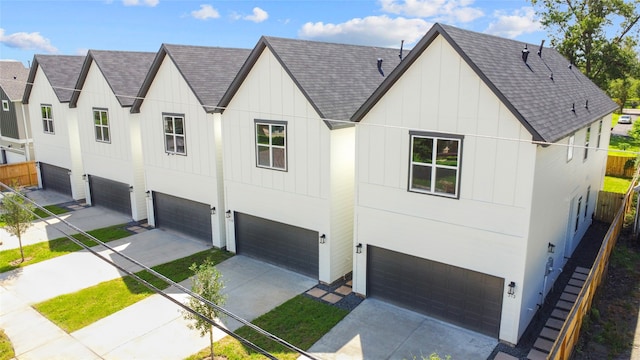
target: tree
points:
(599, 36)
(207, 282)
(621, 90)
(18, 215)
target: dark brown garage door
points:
(463, 297)
(284, 245)
(186, 216)
(55, 178)
(111, 194)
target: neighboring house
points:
(477, 176)
(15, 131)
(289, 151)
(181, 138)
(109, 140)
(54, 126)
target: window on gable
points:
(578, 214)
(5, 105)
(572, 140)
(599, 134)
(47, 118)
(174, 134)
(101, 124)
(586, 203)
(271, 144)
(435, 164)
(586, 142)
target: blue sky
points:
(70, 27)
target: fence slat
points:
(620, 166)
(24, 174)
(608, 205)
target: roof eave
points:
(148, 80)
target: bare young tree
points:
(17, 216)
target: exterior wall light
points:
(84, 177)
(512, 289)
(130, 188)
(228, 214)
(213, 210)
(551, 248)
(359, 248)
(148, 192)
(323, 238)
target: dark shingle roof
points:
(62, 71)
(541, 104)
(124, 71)
(207, 70)
(335, 78)
(13, 79)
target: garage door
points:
(186, 216)
(111, 194)
(284, 245)
(463, 297)
(55, 178)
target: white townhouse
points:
(110, 140)
(54, 126)
(289, 151)
(182, 140)
(477, 171)
(16, 144)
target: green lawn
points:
(57, 247)
(618, 142)
(57, 210)
(77, 310)
(616, 184)
(6, 348)
(300, 321)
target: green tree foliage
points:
(623, 89)
(207, 282)
(599, 36)
(17, 216)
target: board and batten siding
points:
(117, 159)
(62, 148)
(195, 176)
(485, 229)
(302, 195)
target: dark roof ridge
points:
(62, 85)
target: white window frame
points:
(435, 137)
(578, 205)
(572, 140)
(47, 121)
(599, 134)
(99, 128)
(586, 202)
(5, 105)
(587, 139)
(270, 124)
(171, 136)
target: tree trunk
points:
(211, 341)
(20, 243)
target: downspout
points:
(27, 153)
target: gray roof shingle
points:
(13, 79)
(335, 78)
(543, 105)
(207, 70)
(124, 71)
(62, 71)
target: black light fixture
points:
(551, 248)
(512, 289)
(359, 248)
(323, 238)
(213, 210)
(130, 188)
(227, 214)
(84, 177)
(148, 192)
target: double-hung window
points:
(572, 140)
(599, 134)
(587, 137)
(271, 144)
(174, 134)
(435, 164)
(101, 124)
(47, 118)
(5, 105)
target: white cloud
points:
(27, 41)
(82, 51)
(150, 3)
(205, 12)
(372, 30)
(456, 11)
(520, 21)
(258, 16)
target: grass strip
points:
(6, 348)
(46, 250)
(74, 311)
(616, 184)
(55, 209)
(301, 321)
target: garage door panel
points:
(55, 178)
(111, 194)
(285, 245)
(186, 216)
(460, 296)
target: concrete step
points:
(537, 355)
(504, 356)
(579, 276)
(564, 305)
(559, 314)
(576, 282)
(568, 297)
(554, 324)
(582, 270)
(572, 289)
(549, 333)
(543, 345)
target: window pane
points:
(50, 125)
(421, 177)
(446, 181)
(279, 158)
(277, 135)
(168, 125)
(179, 125)
(45, 125)
(180, 144)
(170, 146)
(98, 133)
(262, 134)
(96, 117)
(105, 119)
(263, 156)
(422, 150)
(447, 153)
(105, 133)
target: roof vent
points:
(401, 45)
(525, 53)
(586, 104)
(540, 49)
(570, 66)
(380, 66)
(573, 107)
(551, 76)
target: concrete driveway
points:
(378, 330)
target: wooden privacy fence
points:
(608, 205)
(570, 332)
(22, 173)
(622, 166)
